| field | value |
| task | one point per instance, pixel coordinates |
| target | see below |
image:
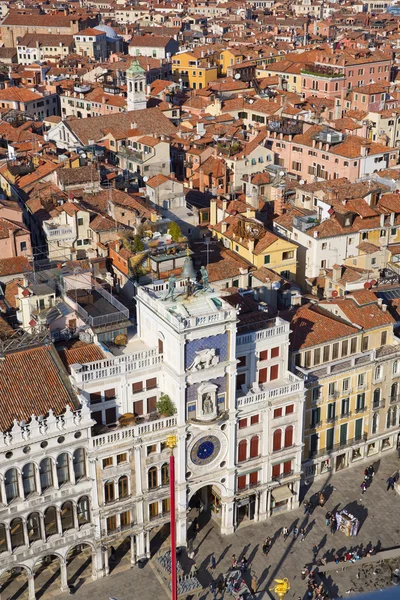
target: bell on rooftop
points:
(188, 271)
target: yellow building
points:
(228, 58)
(289, 71)
(194, 72)
(343, 348)
(258, 246)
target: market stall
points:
(347, 523)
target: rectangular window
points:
(315, 416)
(111, 415)
(254, 478)
(264, 355)
(240, 380)
(326, 353)
(274, 374)
(137, 387)
(289, 409)
(361, 380)
(95, 398)
(331, 410)
(151, 383)
(138, 408)
(242, 423)
(166, 506)
(267, 259)
(307, 359)
(107, 462)
(153, 510)
(358, 429)
(255, 419)
(353, 345)
(109, 394)
(275, 352)
(345, 407)
(121, 458)
(242, 361)
(151, 449)
(365, 342)
(151, 404)
(125, 519)
(332, 389)
(345, 385)
(360, 404)
(262, 375)
(276, 470)
(277, 413)
(343, 434)
(111, 523)
(383, 338)
(330, 433)
(317, 356)
(345, 348)
(335, 351)
(241, 482)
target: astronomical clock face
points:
(205, 450)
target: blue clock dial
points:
(205, 450)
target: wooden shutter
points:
(138, 408)
(274, 372)
(254, 447)
(289, 436)
(241, 482)
(152, 404)
(242, 452)
(262, 375)
(277, 440)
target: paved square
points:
(377, 509)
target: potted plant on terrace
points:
(165, 406)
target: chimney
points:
(224, 205)
(380, 302)
(382, 220)
(392, 218)
(337, 272)
(251, 246)
(279, 203)
(224, 227)
(384, 307)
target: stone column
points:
(64, 576)
(37, 480)
(268, 503)
(148, 553)
(105, 558)
(262, 507)
(59, 523)
(256, 508)
(98, 558)
(94, 565)
(133, 551)
(140, 545)
(54, 473)
(71, 468)
(228, 518)
(20, 485)
(3, 491)
(8, 537)
(31, 587)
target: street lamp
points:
(171, 443)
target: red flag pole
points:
(174, 581)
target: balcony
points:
(332, 419)
(333, 395)
(378, 405)
(95, 305)
(55, 231)
(394, 399)
(337, 447)
(273, 328)
(125, 434)
(315, 425)
(267, 392)
(361, 409)
(283, 476)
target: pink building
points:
(359, 67)
(15, 239)
(323, 82)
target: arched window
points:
(83, 510)
(62, 468)
(46, 474)
(123, 491)
(165, 474)
(17, 533)
(50, 521)
(377, 398)
(394, 416)
(289, 436)
(388, 418)
(393, 392)
(34, 529)
(254, 446)
(375, 422)
(277, 440)
(395, 367)
(152, 478)
(28, 479)
(67, 516)
(79, 464)
(242, 450)
(11, 485)
(109, 492)
(3, 538)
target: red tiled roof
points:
(24, 393)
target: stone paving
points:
(377, 509)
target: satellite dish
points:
(301, 182)
(251, 101)
(237, 76)
(145, 178)
(334, 294)
(367, 285)
(276, 285)
(282, 173)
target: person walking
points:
(295, 533)
(253, 584)
(213, 590)
(306, 506)
(328, 518)
(234, 561)
(285, 533)
(230, 586)
(302, 534)
(363, 487)
(213, 562)
(315, 551)
(390, 483)
(193, 570)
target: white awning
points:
(282, 493)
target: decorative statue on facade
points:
(204, 359)
(208, 407)
(171, 288)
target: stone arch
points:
(195, 488)
(85, 566)
(46, 578)
(28, 570)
